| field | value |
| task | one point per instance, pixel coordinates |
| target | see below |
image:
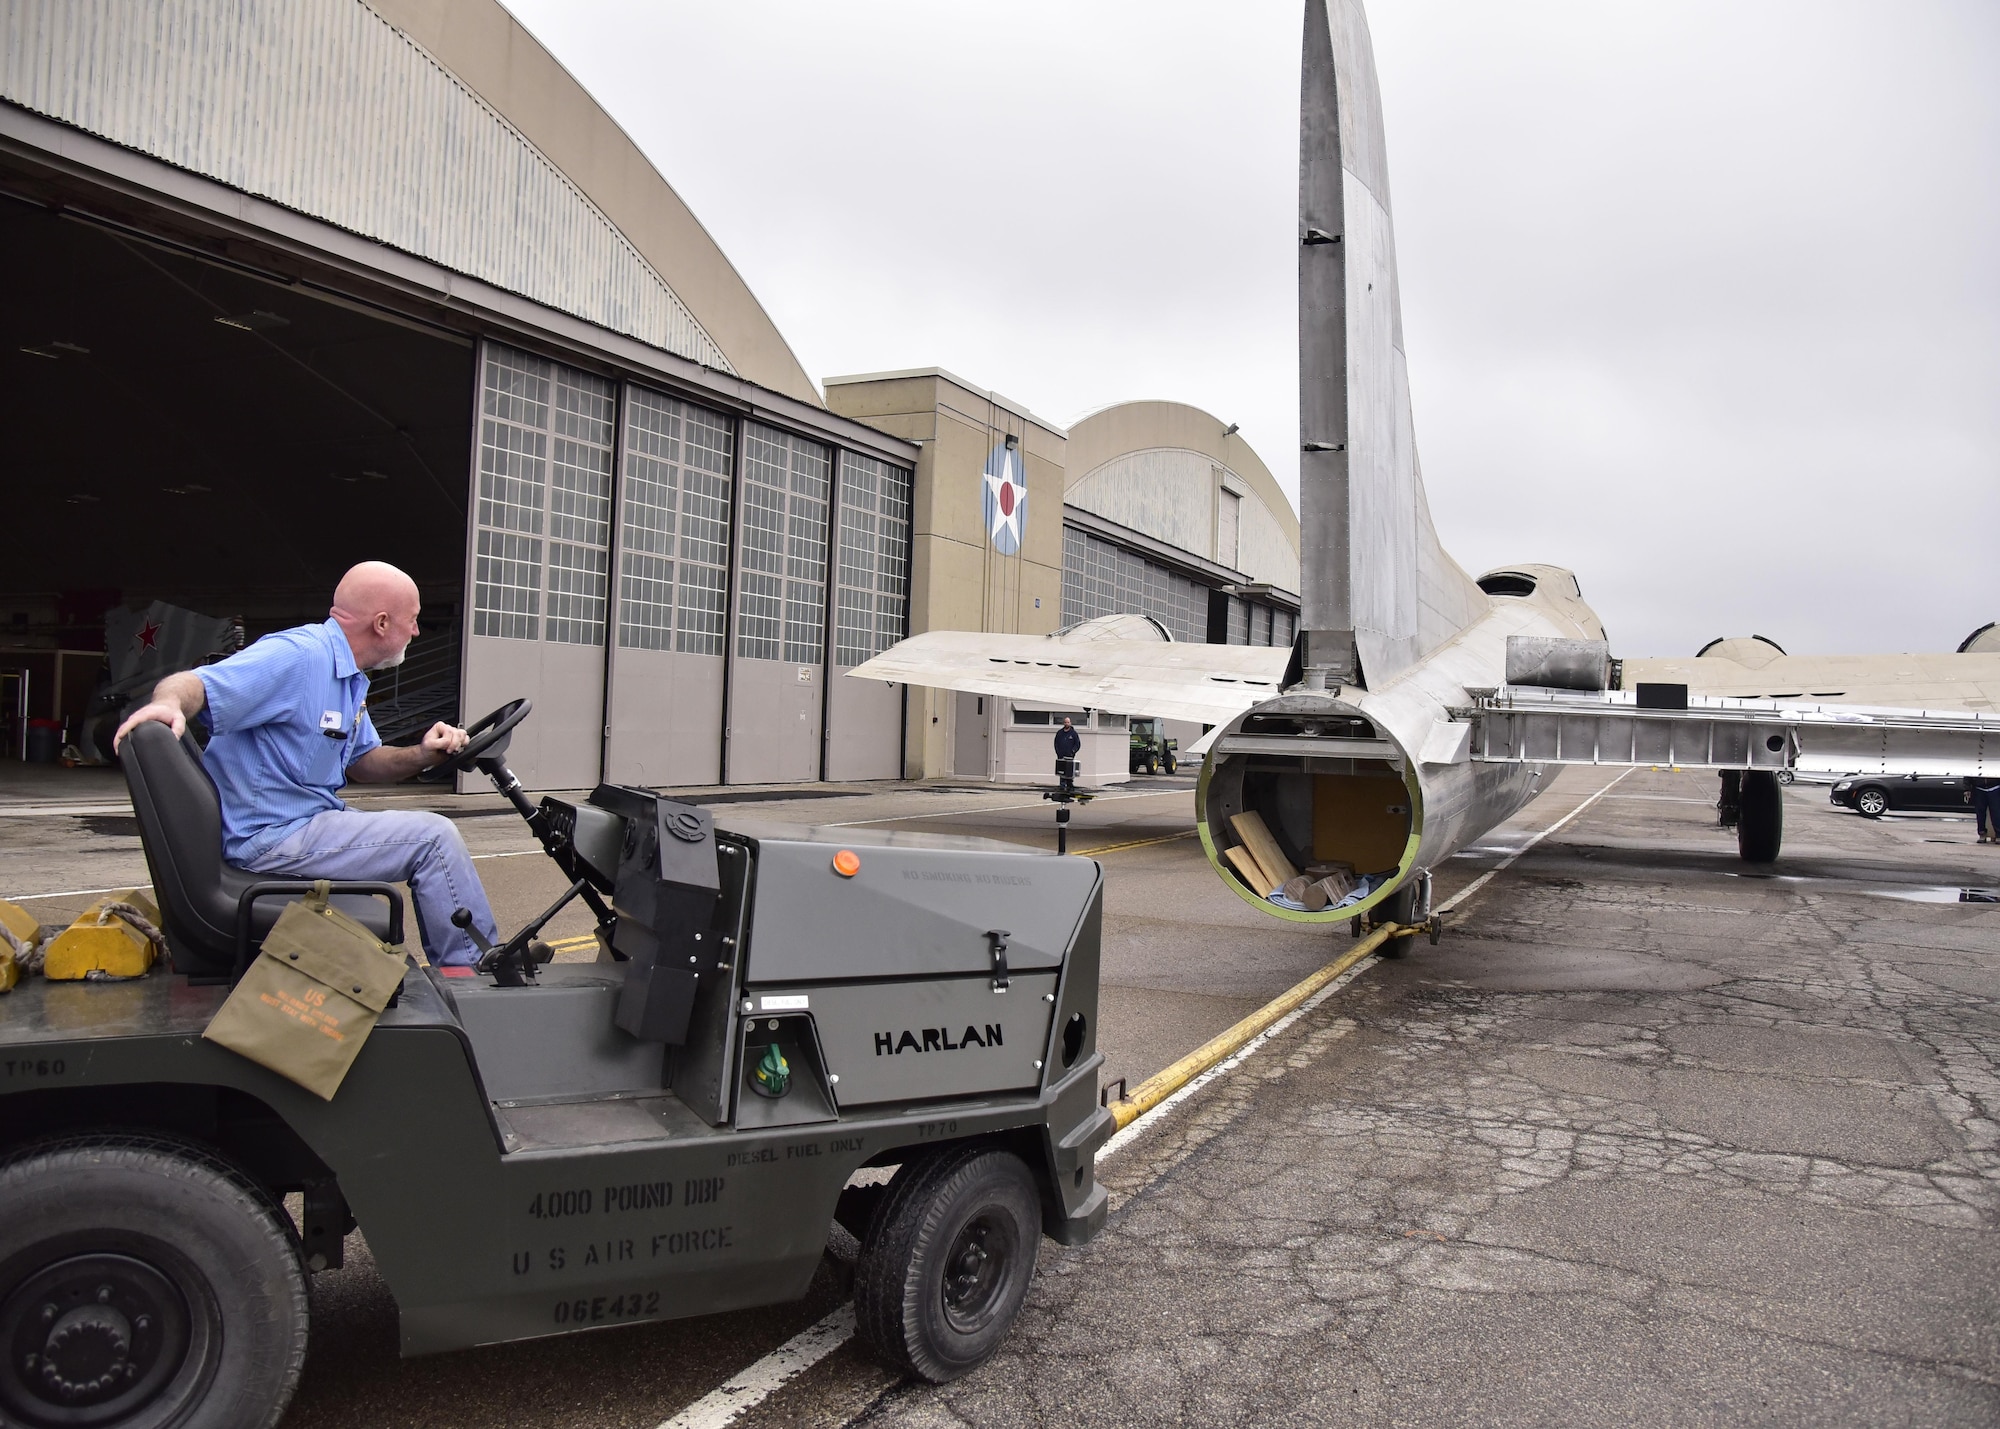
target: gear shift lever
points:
(462, 919)
(513, 963)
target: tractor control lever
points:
(513, 963)
(462, 920)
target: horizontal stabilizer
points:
(1153, 678)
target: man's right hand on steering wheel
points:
(442, 740)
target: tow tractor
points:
(549, 1147)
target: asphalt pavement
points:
(1650, 1135)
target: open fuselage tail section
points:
(1376, 584)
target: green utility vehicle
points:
(1152, 751)
(545, 1148)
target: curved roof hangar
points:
(438, 127)
(1166, 469)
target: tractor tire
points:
(947, 1261)
(1760, 828)
(144, 1284)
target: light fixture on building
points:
(1013, 442)
(1231, 430)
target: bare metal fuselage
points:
(1323, 770)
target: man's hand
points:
(388, 764)
(176, 699)
(444, 740)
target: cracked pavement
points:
(1649, 1136)
(1644, 1138)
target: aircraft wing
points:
(1211, 684)
(1911, 682)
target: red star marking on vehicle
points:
(148, 634)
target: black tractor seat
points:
(210, 930)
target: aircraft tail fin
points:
(1377, 589)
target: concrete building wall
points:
(959, 579)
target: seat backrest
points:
(180, 825)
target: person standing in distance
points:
(288, 726)
(1068, 742)
(1986, 806)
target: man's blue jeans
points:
(390, 846)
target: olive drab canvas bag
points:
(312, 995)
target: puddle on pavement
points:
(1939, 895)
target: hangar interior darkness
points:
(194, 432)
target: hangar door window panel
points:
(674, 545)
(708, 457)
(544, 510)
(872, 596)
(646, 542)
(513, 481)
(786, 483)
(1102, 579)
(580, 508)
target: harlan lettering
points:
(935, 1039)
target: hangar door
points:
(871, 612)
(671, 603)
(540, 556)
(778, 664)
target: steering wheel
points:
(487, 738)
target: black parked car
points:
(1873, 795)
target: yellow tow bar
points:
(1163, 1084)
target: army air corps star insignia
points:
(1006, 499)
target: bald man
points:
(288, 726)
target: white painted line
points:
(1139, 1125)
(121, 887)
(804, 1350)
(993, 809)
(52, 811)
(75, 892)
(757, 1383)
(1500, 867)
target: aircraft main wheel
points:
(947, 1261)
(144, 1283)
(1871, 803)
(1760, 829)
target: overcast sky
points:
(1702, 299)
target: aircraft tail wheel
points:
(1760, 828)
(1436, 927)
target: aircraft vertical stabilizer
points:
(1376, 584)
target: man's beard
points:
(394, 660)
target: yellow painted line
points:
(574, 945)
(1163, 1084)
(1135, 843)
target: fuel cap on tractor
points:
(772, 1077)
